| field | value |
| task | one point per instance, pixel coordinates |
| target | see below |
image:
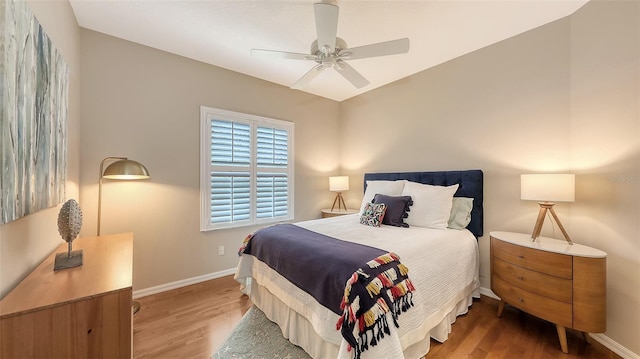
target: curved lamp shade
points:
(126, 170)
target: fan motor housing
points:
(340, 45)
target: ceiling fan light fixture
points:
(328, 50)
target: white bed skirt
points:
(299, 330)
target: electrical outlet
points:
(220, 250)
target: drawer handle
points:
(520, 278)
(521, 256)
(520, 300)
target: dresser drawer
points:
(552, 310)
(555, 264)
(535, 282)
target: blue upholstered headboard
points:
(470, 182)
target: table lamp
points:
(339, 184)
(547, 189)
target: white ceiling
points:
(222, 33)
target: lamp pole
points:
(100, 186)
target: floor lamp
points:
(547, 188)
(120, 168)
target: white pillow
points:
(460, 212)
(389, 188)
(431, 204)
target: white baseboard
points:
(487, 292)
(614, 346)
(181, 283)
(600, 338)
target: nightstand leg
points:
(562, 336)
(586, 337)
(501, 306)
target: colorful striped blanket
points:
(357, 282)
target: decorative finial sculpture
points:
(69, 224)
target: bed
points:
(443, 268)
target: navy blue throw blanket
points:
(360, 283)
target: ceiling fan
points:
(331, 51)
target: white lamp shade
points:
(339, 183)
(548, 187)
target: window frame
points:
(209, 114)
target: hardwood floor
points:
(189, 322)
(481, 334)
(192, 322)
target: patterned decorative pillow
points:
(373, 214)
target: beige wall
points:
(145, 104)
(605, 152)
(24, 243)
(562, 97)
(502, 109)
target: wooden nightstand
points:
(326, 213)
(551, 279)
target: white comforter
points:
(443, 265)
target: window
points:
(246, 169)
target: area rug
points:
(256, 337)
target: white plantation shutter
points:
(230, 143)
(246, 169)
(272, 150)
(272, 195)
(230, 197)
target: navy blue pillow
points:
(397, 208)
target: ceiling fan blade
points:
(308, 77)
(392, 47)
(326, 26)
(351, 74)
(282, 54)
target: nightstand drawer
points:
(559, 265)
(542, 307)
(535, 282)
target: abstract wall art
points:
(34, 81)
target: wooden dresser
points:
(81, 312)
(551, 279)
